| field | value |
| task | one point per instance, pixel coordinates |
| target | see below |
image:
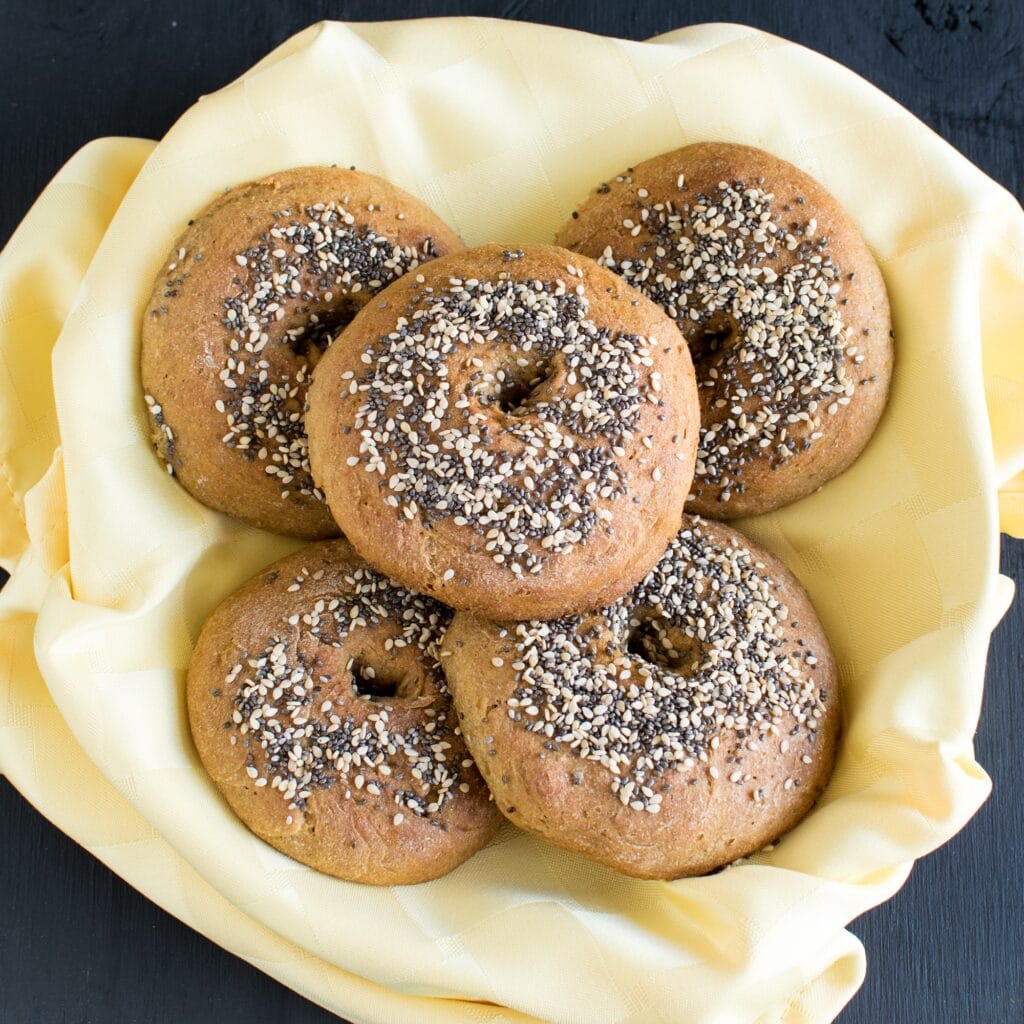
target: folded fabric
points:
(502, 128)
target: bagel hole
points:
(377, 682)
(511, 387)
(322, 327)
(515, 395)
(653, 640)
(711, 337)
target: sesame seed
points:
(571, 442)
(314, 256)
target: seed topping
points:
(310, 272)
(307, 742)
(758, 301)
(652, 682)
(530, 452)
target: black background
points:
(78, 945)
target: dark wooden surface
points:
(77, 945)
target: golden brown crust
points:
(743, 788)
(374, 822)
(768, 470)
(198, 363)
(467, 508)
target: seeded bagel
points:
(320, 712)
(780, 300)
(687, 725)
(251, 294)
(510, 431)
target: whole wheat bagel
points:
(320, 712)
(251, 294)
(689, 724)
(509, 430)
(780, 300)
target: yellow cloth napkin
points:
(502, 128)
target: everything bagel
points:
(689, 724)
(320, 712)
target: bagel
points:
(252, 293)
(511, 431)
(780, 300)
(687, 725)
(319, 710)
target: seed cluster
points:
(166, 443)
(531, 450)
(706, 626)
(321, 259)
(310, 743)
(759, 303)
